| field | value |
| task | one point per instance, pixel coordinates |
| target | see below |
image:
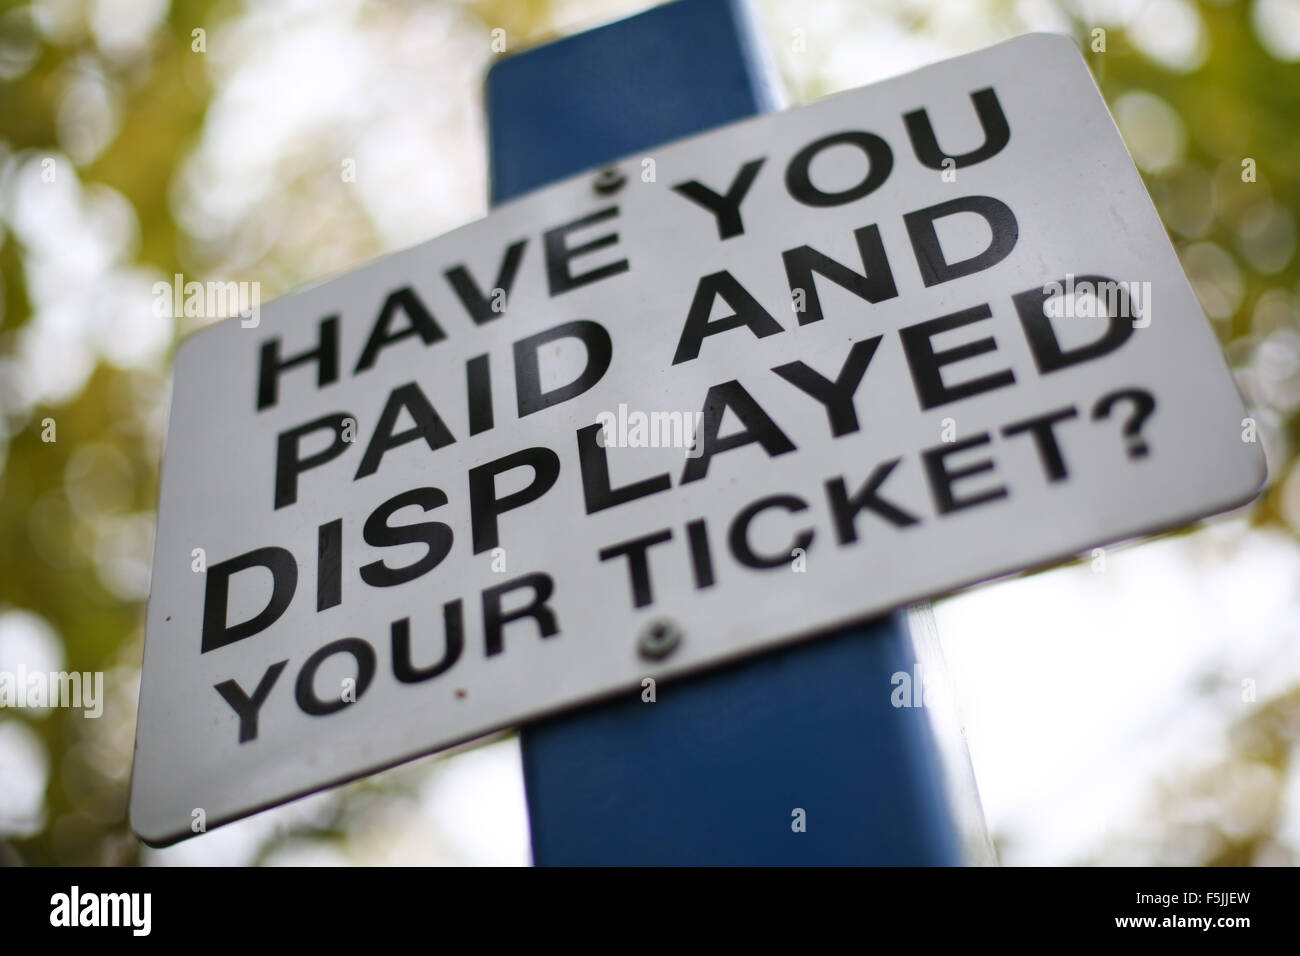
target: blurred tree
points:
(1215, 128)
(151, 98)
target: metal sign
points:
(740, 390)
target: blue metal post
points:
(713, 772)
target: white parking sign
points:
(748, 387)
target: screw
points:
(659, 639)
(609, 181)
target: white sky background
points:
(1081, 690)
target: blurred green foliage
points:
(48, 564)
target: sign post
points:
(795, 757)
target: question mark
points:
(1143, 405)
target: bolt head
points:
(658, 639)
(609, 181)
